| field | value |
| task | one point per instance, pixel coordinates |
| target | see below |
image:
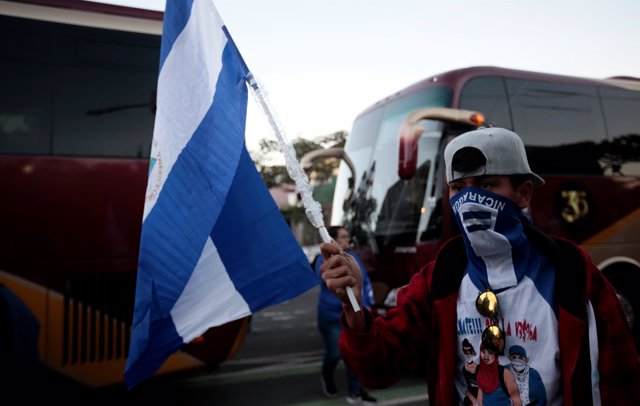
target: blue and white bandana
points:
(497, 248)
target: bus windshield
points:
(383, 208)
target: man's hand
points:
(340, 270)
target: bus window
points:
(560, 123)
(622, 154)
(98, 84)
(381, 203)
(621, 109)
(102, 92)
(551, 114)
(25, 117)
(361, 141)
(430, 151)
(399, 212)
(487, 95)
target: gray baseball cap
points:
(502, 149)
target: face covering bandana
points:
(496, 246)
(519, 365)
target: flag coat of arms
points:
(214, 247)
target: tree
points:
(277, 174)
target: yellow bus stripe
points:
(614, 228)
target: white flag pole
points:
(312, 207)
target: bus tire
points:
(625, 279)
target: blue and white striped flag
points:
(214, 247)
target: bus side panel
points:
(76, 214)
(69, 237)
(590, 210)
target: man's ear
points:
(524, 193)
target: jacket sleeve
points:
(393, 343)
(618, 364)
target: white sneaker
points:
(354, 399)
(364, 398)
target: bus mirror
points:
(410, 132)
(408, 154)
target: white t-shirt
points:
(529, 321)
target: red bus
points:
(581, 135)
(78, 84)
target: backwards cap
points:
(517, 350)
(502, 149)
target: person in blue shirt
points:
(329, 311)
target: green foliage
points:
(336, 139)
(274, 175)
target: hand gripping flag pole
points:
(312, 207)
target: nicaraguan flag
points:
(214, 247)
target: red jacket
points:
(421, 331)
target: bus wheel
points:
(625, 279)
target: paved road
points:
(279, 364)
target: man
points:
(501, 283)
(329, 310)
